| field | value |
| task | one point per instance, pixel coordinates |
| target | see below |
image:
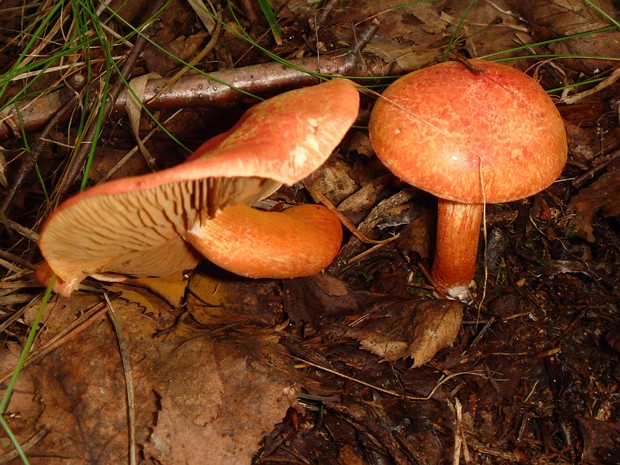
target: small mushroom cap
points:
(299, 241)
(135, 226)
(490, 137)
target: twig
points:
(458, 437)
(324, 13)
(440, 383)
(494, 452)
(346, 223)
(609, 80)
(125, 360)
(582, 179)
(374, 248)
(479, 336)
(28, 444)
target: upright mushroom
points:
(144, 225)
(486, 133)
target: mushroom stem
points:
(300, 241)
(458, 230)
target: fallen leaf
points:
(417, 237)
(224, 385)
(601, 441)
(603, 195)
(566, 17)
(436, 325)
(171, 288)
(216, 407)
(411, 328)
(428, 15)
(333, 180)
(347, 455)
(369, 227)
(308, 299)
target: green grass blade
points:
(270, 16)
(446, 54)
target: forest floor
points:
(207, 367)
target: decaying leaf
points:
(202, 394)
(412, 328)
(601, 441)
(429, 16)
(171, 288)
(332, 179)
(219, 402)
(565, 17)
(370, 226)
(416, 237)
(308, 299)
(603, 195)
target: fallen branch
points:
(218, 89)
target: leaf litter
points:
(359, 365)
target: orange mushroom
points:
(469, 136)
(153, 225)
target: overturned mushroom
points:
(470, 136)
(142, 226)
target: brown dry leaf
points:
(602, 44)
(216, 407)
(309, 299)
(601, 444)
(25, 404)
(217, 300)
(80, 387)
(171, 288)
(349, 456)
(332, 179)
(401, 42)
(359, 142)
(392, 206)
(174, 34)
(487, 27)
(134, 105)
(199, 398)
(416, 237)
(429, 16)
(564, 17)
(357, 205)
(603, 195)
(412, 328)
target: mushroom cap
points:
(300, 241)
(469, 137)
(136, 226)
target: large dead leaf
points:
(203, 394)
(412, 328)
(216, 407)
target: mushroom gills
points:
(299, 241)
